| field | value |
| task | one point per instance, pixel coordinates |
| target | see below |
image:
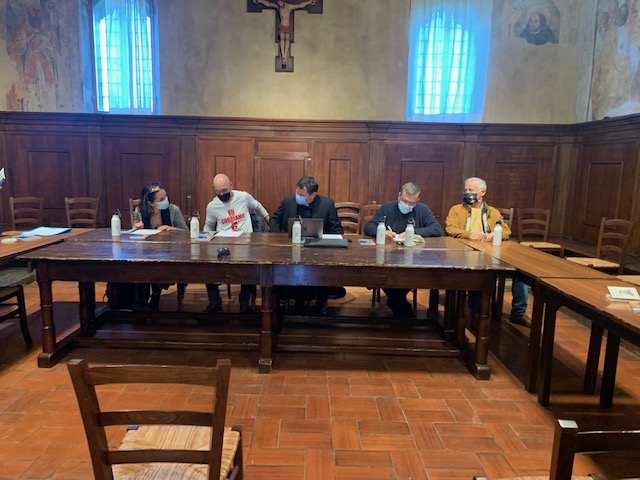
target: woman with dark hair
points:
(155, 211)
(537, 31)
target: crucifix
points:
(284, 25)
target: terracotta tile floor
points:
(326, 416)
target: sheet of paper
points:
(623, 293)
(45, 231)
(228, 233)
(145, 232)
(334, 236)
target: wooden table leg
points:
(609, 373)
(481, 368)
(87, 308)
(593, 358)
(267, 331)
(546, 354)
(533, 347)
(46, 311)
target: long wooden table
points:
(9, 251)
(533, 266)
(588, 299)
(269, 263)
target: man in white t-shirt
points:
(229, 210)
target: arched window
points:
(448, 57)
(125, 56)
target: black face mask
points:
(469, 198)
(225, 197)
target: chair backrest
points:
(613, 239)
(568, 441)
(133, 203)
(103, 457)
(507, 216)
(82, 211)
(26, 212)
(367, 212)
(349, 215)
(533, 222)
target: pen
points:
(389, 228)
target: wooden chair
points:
(195, 443)
(535, 222)
(568, 440)
(349, 215)
(507, 216)
(367, 212)
(133, 203)
(613, 240)
(26, 212)
(82, 211)
(12, 295)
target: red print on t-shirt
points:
(233, 219)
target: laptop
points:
(311, 227)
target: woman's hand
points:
(166, 228)
(138, 225)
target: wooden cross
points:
(285, 10)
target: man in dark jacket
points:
(397, 215)
(306, 203)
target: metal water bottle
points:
(409, 232)
(116, 224)
(194, 225)
(497, 233)
(296, 231)
(380, 232)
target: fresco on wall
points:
(536, 22)
(32, 37)
(615, 88)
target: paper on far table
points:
(145, 232)
(332, 236)
(45, 231)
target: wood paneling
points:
(339, 168)
(231, 157)
(582, 172)
(518, 176)
(605, 187)
(435, 167)
(130, 162)
(49, 166)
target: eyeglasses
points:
(223, 252)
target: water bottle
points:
(194, 225)
(116, 225)
(296, 231)
(380, 232)
(497, 233)
(409, 232)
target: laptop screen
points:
(311, 227)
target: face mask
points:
(300, 200)
(225, 197)
(404, 208)
(164, 204)
(469, 198)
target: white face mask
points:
(405, 207)
(164, 204)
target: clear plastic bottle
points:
(194, 225)
(409, 232)
(116, 224)
(380, 232)
(296, 231)
(497, 233)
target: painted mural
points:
(32, 38)
(535, 22)
(615, 88)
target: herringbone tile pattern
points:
(326, 416)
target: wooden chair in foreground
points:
(568, 441)
(349, 215)
(535, 222)
(613, 240)
(12, 295)
(26, 212)
(165, 443)
(82, 212)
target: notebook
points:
(311, 227)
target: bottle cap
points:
(116, 212)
